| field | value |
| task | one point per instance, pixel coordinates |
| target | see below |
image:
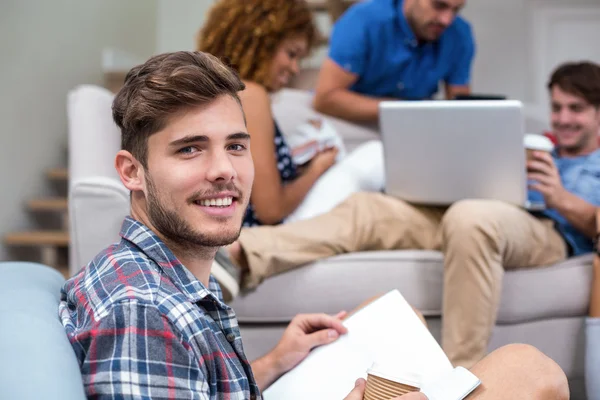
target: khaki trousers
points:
(479, 239)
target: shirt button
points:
(230, 337)
(400, 85)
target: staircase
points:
(51, 244)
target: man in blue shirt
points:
(479, 238)
(394, 49)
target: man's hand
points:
(304, 333)
(548, 183)
(359, 391)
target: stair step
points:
(58, 174)
(48, 204)
(38, 238)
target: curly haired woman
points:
(265, 40)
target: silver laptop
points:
(439, 152)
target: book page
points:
(385, 331)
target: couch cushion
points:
(42, 362)
(345, 281)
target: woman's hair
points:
(245, 34)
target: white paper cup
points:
(533, 142)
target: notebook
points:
(385, 331)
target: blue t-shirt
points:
(288, 171)
(580, 176)
(374, 41)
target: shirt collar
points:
(152, 246)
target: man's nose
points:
(564, 116)
(446, 17)
(220, 167)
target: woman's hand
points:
(323, 160)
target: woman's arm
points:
(272, 200)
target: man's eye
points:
(577, 109)
(187, 150)
(237, 147)
(439, 5)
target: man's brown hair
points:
(165, 85)
(580, 79)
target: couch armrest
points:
(39, 362)
(97, 206)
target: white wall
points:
(520, 42)
(46, 48)
(178, 23)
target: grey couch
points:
(545, 307)
(37, 359)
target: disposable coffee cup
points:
(536, 143)
(383, 383)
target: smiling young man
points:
(394, 49)
(145, 318)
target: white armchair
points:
(98, 201)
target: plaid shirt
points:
(142, 326)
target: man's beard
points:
(177, 231)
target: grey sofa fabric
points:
(592, 361)
(544, 306)
(38, 361)
(332, 284)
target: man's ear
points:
(130, 171)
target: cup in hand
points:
(536, 143)
(383, 385)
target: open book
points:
(385, 331)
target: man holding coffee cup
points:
(479, 238)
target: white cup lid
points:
(391, 373)
(537, 142)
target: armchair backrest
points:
(98, 201)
